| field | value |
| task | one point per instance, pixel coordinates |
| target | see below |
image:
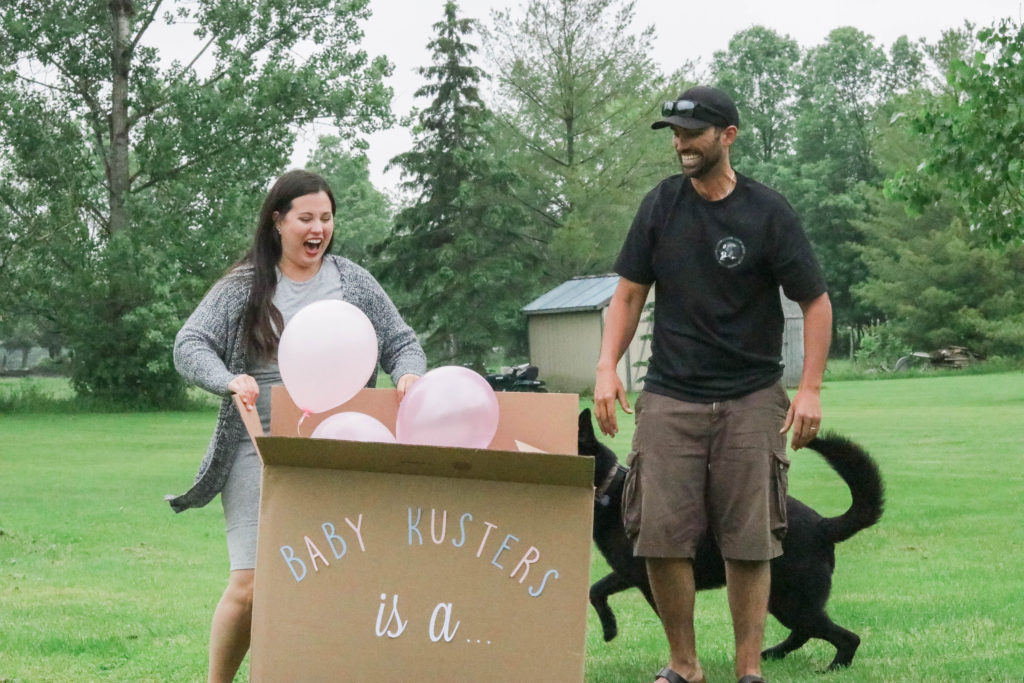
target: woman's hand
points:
(247, 390)
(404, 382)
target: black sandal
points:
(672, 677)
(751, 678)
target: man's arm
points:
(623, 317)
(805, 412)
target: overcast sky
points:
(400, 29)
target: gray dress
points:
(241, 494)
(209, 350)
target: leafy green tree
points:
(936, 281)
(759, 71)
(363, 216)
(973, 138)
(906, 67)
(131, 184)
(954, 45)
(577, 92)
(833, 160)
(458, 259)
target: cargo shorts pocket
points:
(631, 498)
(779, 493)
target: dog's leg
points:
(845, 642)
(599, 592)
(819, 626)
(794, 641)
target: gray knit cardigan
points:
(209, 351)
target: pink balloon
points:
(353, 427)
(328, 351)
(448, 406)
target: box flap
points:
(544, 421)
(250, 418)
(431, 461)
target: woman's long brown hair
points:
(262, 322)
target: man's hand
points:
(804, 417)
(608, 390)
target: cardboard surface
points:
(394, 562)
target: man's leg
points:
(673, 588)
(748, 585)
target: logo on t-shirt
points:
(730, 252)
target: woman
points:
(229, 346)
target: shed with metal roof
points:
(565, 326)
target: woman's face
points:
(305, 233)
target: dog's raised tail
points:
(861, 474)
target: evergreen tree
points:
(456, 258)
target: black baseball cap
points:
(699, 107)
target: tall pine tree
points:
(456, 258)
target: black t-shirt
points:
(717, 268)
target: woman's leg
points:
(231, 628)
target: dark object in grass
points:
(801, 576)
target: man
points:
(709, 449)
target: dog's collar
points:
(601, 493)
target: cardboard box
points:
(382, 562)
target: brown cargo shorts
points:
(708, 467)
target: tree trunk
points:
(121, 12)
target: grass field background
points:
(100, 581)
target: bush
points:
(880, 347)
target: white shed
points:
(792, 342)
(565, 326)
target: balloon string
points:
(298, 427)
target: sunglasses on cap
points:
(695, 110)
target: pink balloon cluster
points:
(448, 406)
(328, 352)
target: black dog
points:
(801, 577)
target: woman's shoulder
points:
(348, 270)
(232, 286)
(240, 276)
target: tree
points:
(759, 71)
(458, 258)
(132, 184)
(363, 216)
(973, 136)
(833, 159)
(937, 285)
(577, 92)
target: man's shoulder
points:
(758, 191)
(665, 193)
(671, 184)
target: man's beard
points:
(708, 163)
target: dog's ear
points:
(586, 427)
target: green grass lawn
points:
(100, 581)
